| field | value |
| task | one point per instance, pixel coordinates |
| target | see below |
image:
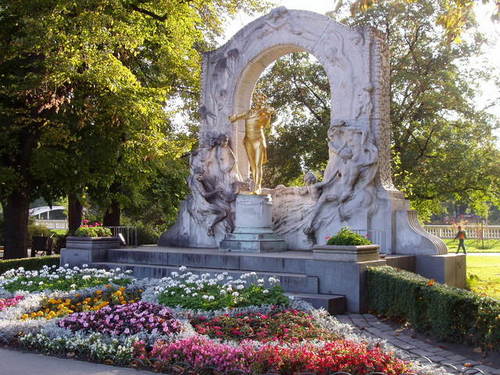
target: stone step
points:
(286, 262)
(255, 246)
(291, 282)
(333, 303)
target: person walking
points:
(461, 239)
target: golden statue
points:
(256, 119)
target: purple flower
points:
(120, 319)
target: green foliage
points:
(482, 275)
(38, 230)
(451, 314)
(453, 18)
(147, 234)
(95, 231)
(347, 237)
(83, 91)
(73, 282)
(249, 296)
(35, 263)
(299, 91)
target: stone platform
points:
(336, 286)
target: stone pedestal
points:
(449, 269)
(86, 250)
(253, 227)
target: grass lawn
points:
(483, 273)
(475, 246)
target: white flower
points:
(273, 280)
(182, 268)
(265, 291)
(239, 287)
(235, 294)
(73, 286)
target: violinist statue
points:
(256, 119)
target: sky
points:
(483, 13)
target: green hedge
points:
(29, 263)
(449, 314)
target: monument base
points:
(253, 231)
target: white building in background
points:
(52, 217)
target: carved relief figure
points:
(214, 183)
(256, 119)
(364, 99)
(351, 169)
(216, 102)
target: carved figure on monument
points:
(256, 120)
(214, 183)
(352, 168)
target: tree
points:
(83, 86)
(299, 91)
(443, 147)
(453, 16)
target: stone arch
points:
(354, 61)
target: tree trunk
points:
(74, 213)
(112, 215)
(16, 213)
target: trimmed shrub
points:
(346, 237)
(449, 314)
(30, 264)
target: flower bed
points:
(124, 319)
(278, 325)
(8, 302)
(191, 291)
(216, 324)
(61, 278)
(58, 307)
(201, 354)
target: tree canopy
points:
(83, 90)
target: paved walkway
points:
(14, 362)
(415, 348)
